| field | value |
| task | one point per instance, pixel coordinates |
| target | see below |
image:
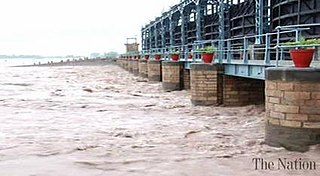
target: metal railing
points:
(242, 50)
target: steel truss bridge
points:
(248, 34)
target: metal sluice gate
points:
(249, 34)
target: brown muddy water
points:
(103, 121)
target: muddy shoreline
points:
(75, 62)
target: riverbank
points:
(74, 62)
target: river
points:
(103, 121)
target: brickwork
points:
(293, 108)
(119, 62)
(172, 73)
(154, 70)
(143, 68)
(238, 91)
(130, 66)
(135, 67)
(125, 64)
(132, 47)
(206, 84)
(186, 79)
(122, 63)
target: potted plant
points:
(302, 55)
(157, 56)
(207, 53)
(146, 56)
(174, 55)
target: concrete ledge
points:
(293, 74)
(293, 139)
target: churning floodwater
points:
(103, 121)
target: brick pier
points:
(143, 68)
(154, 71)
(292, 107)
(172, 75)
(206, 84)
(135, 67)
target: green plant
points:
(174, 52)
(302, 42)
(207, 49)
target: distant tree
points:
(94, 55)
(111, 54)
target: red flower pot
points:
(175, 57)
(189, 56)
(157, 57)
(302, 57)
(146, 57)
(207, 58)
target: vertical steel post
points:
(143, 39)
(267, 50)
(199, 17)
(183, 36)
(229, 52)
(171, 27)
(278, 46)
(150, 38)
(156, 35)
(259, 21)
(245, 50)
(162, 34)
(221, 31)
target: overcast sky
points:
(79, 27)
